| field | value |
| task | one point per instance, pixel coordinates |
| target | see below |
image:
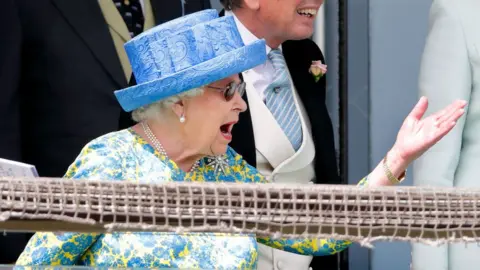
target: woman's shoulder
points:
(112, 140)
(107, 151)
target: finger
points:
(443, 130)
(452, 119)
(451, 110)
(443, 114)
(439, 133)
(419, 108)
(445, 127)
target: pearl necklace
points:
(156, 143)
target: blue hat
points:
(186, 53)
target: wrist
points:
(395, 156)
(396, 163)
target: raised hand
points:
(417, 135)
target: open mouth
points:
(307, 12)
(226, 130)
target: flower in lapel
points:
(318, 69)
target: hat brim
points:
(215, 69)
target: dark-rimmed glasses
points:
(230, 89)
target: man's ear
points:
(251, 4)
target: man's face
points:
(289, 19)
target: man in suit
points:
(60, 62)
(450, 70)
(286, 132)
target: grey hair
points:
(231, 4)
(156, 110)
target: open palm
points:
(417, 135)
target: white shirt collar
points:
(247, 36)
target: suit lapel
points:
(114, 19)
(299, 55)
(87, 20)
(298, 66)
(148, 14)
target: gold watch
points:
(394, 180)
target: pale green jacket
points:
(450, 70)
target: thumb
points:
(419, 109)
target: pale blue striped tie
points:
(280, 102)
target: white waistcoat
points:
(278, 161)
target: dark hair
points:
(231, 4)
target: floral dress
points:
(126, 155)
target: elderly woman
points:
(186, 103)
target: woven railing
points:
(429, 215)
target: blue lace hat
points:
(186, 53)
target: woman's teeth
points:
(307, 12)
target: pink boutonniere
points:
(318, 69)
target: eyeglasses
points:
(230, 89)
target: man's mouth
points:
(307, 12)
(226, 130)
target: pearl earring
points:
(182, 119)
